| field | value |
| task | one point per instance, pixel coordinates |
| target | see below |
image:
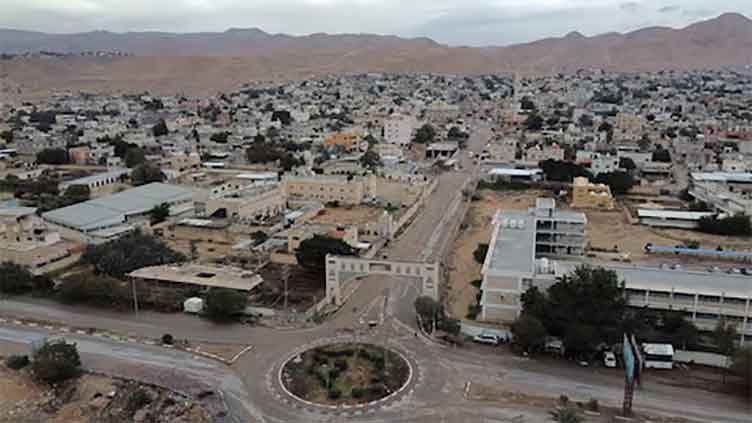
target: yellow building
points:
(591, 196)
(325, 189)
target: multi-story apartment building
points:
(398, 129)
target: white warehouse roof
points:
(114, 209)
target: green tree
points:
(738, 225)
(53, 156)
(725, 336)
(534, 122)
(585, 121)
(741, 366)
(619, 182)
(480, 253)
(7, 136)
(426, 134)
(282, 116)
(312, 252)
(584, 308)
(529, 333)
(627, 164)
(370, 160)
(225, 304)
(55, 362)
(146, 173)
(134, 156)
(661, 155)
(15, 279)
(527, 103)
(159, 213)
(75, 194)
(429, 311)
(128, 253)
(561, 171)
(259, 237)
(160, 129)
(678, 330)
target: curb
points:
(65, 330)
(358, 407)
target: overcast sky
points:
(455, 22)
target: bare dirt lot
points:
(607, 230)
(91, 398)
(477, 230)
(591, 412)
(349, 215)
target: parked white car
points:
(609, 359)
(487, 338)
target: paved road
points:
(434, 394)
(174, 369)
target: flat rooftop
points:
(114, 209)
(512, 249)
(741, 177)
(86, 180)
(666, 280)
(206, 276)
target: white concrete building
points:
(398, 129)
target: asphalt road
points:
(173, 369)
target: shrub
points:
(730, 226)
(16, 362)
(138, 399)
(15, 279)
(334, 394)
(593, 405)
(566, 415)
(358, 392)
(376, 390)
(473, 310)
(56, 362)
(167, 339)
(480, 253)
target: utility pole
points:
(135, 295)
(285, 278)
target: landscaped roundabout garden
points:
(345, 374)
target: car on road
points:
(487, 338)
(609, 359)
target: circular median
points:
(345, 374)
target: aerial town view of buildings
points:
(380, 246)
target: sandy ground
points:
(90, 398)
(505, 398)
(477, 230)
(609, 229)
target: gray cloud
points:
(456, 22)
(631, 7)
(669, 9)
